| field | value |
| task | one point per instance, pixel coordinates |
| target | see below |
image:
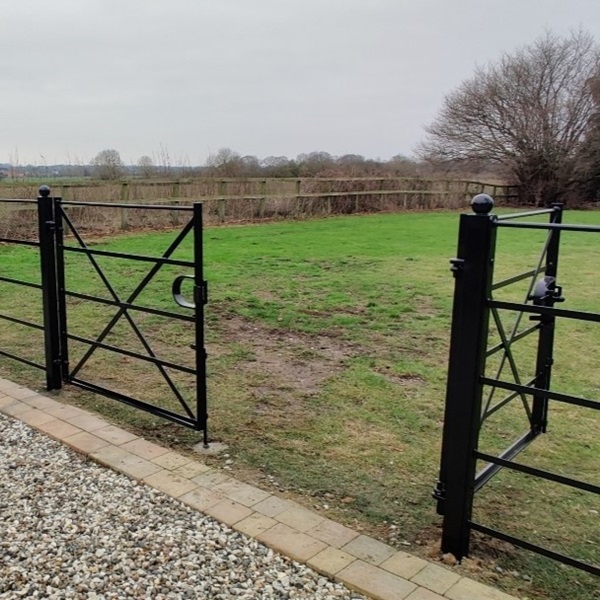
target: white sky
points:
(263, 77)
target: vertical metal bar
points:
(61, 289)
(545, 350)
(200, 299)
(49, 288)
(473, 271)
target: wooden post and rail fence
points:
(243, 199)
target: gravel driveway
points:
(70, 528)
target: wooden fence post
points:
(222, 202)
(261, 203)
(124, 200)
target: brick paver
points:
(404, 565)
(20, 393)
(229, 512)
(85, 442)
(369, 550)
(211, 478)
(169, 483)
(290, 542)
(144, 448)
(423, 594)
(376, 582)
(330, 561)
(332, 533)
(434, 578)
(299, 518)
(171, 460)
(64, 412)
(191, 470)
(241, 492)
(272, 506)
(255, 524)
(115, 435)
(41, 402)
(88, 422)
(467, 589)
(58, 429)
(14, 407)
(201, 498)
(35, 417)
(6, 401)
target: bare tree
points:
(225, 163)
(108, 164)
(527, 113)
(146, 166)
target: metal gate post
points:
(47, 231)
(61, 289)
(200, 300)
(473, 269)
(545, 350)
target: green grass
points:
(328, 344)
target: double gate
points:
(183, 403)
(471, 391)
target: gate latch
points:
(546, 292)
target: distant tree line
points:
(228, 163)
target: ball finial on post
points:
(44, 191)
(482, 204)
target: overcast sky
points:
(263, 77)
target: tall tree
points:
(108, 164)
(528, 113)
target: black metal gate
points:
(467, 406)
(55, 225)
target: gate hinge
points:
(457, 265)
(439, 491)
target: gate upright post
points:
(200, 300)
(545, 350)
(473, 270)
(47, 237)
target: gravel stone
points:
(70, 528)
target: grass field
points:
(328, 344)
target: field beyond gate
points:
(328, 344)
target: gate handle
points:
(176, 291)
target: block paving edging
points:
(358, 561)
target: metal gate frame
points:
(53, 220)
(465, 410)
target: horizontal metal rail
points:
(524, 389)
(18, 200)
(125, 205)
(490, 470)
(22, 360)
(491, 351)
(503, 402)
(37, 286)
(558, 226)
(505, 537)
(529, 213)
(545, 310)
(156, 260)
(151, 408)
(22, 322)
(150, 359)
(20, 242)
(501, 461)
(128, 306)
(516, 278)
